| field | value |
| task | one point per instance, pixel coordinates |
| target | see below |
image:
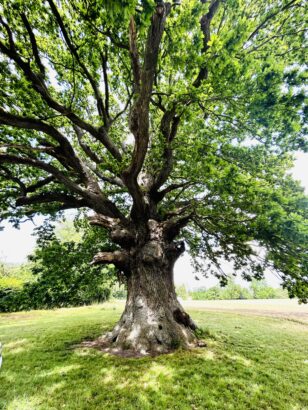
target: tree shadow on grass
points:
(44, 372)
(87, 379)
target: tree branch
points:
(14, 159)
(86, 149)
(159, 195)
(33, 44)
(119, 259)
(34, 124)
(104, 65)
(93, 196)
(48, 197)
(268, 18)
(134, 55)
(172, 226)
(72, 48)
(205, 22)
(40, 87)
(139, 116)
(40, 184)
(121, 232)
(168, 127)
(8, 174)
(130, 96)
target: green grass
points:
(250, 362)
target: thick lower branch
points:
(120, 259)
(49, 197)
(103, 220)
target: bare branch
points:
(158, 196)
(111, 180)
(130, 96)
(14, 159)
(103, 220)
(86, 149)
(173, 226)
(104, 65)
(92, 194)
(9, 33)
(48, 197)
(8, 174)
(121, 231)
(40, 184)
(168, 127)
(34, 124)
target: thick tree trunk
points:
(153, 321)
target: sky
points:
(16, 244)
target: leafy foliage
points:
(214, 110)
(64, 276)
(14, 276)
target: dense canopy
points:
(161, 118)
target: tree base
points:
(153, 321)
(104, 345)
(149, 334)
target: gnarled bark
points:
(153, 321)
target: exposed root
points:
(105, 347)
(129, 339)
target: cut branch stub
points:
(120, 259)
(120, 231)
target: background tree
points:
(59, 273)
(172, 124)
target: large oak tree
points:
(172, 123)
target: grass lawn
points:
(250, 362)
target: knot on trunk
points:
(156, 230)
(152, 252)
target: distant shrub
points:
(234, 291)
(206, 294)
(14, 276)
(257, 290)
(281, 293)
(118, 291)
(11, 283)
(182, 292)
